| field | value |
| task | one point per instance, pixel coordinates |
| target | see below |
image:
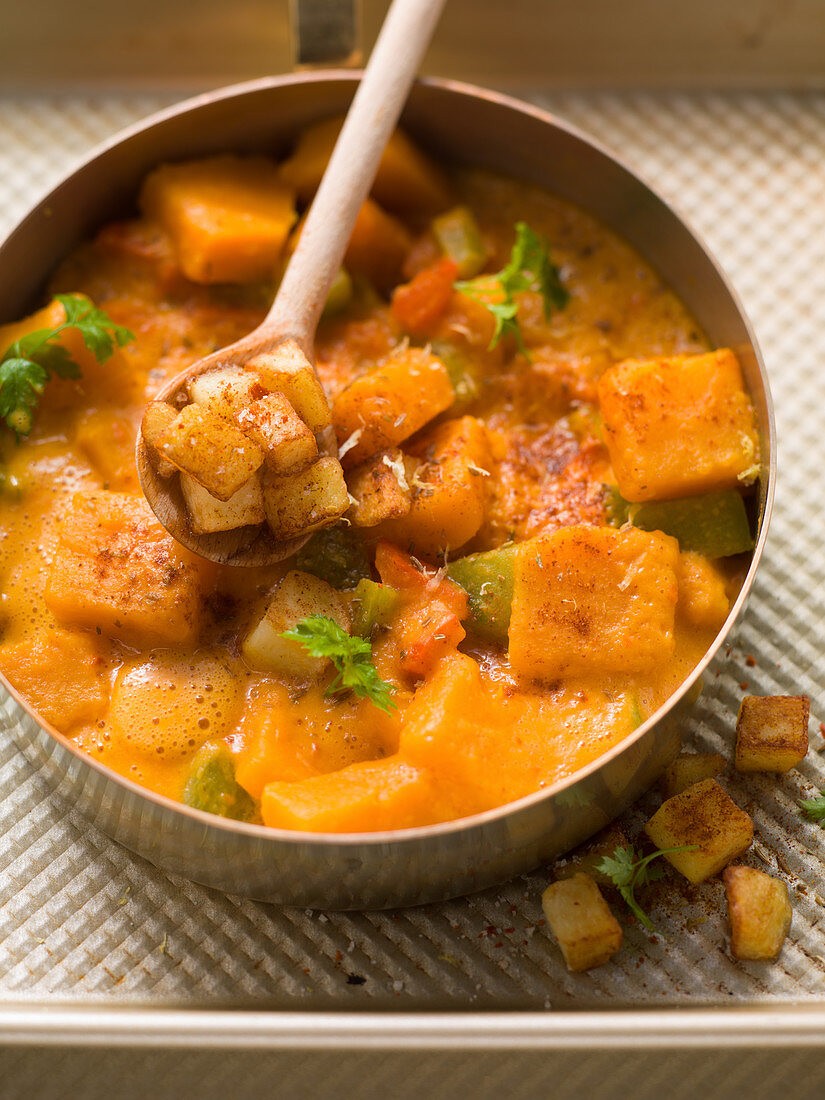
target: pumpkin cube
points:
(705, 817)
(377, 247)
(449, 489)
(157, 418)
(303, 502)
(287, 370)
(213, 450)
(771, 732)
(389, 404)
(759, 910)
(580, 919)
(225, 391)
(381, 488)
(703, 597)
(288, 444)
(208, 514)
(228, 216)
(678, 426)
(593, 599)
(689, 768)
(298, 596)
(115, 569)
(108, 442)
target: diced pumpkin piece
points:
(760, 913)
(116, 569)
(108, 442)
(689, 768)
(302, 502)
(703, 597)
(678, 426)
(592, 599)
(419, 304)
(287, 370)
(389, 404)
(62, 675)
(364, 797)
(380, 488)
(449, 490)
(208, 514)
(213, 450)
(157, 418)
(288, 444)
(228, 216)
(225, 391)
(704, 816)
(407, 181)
(771, 732)
(298, 596)
(580, 919)
(377, 247)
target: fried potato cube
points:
(759, 910)
(389, 404)
(704, 816)
(407, 181)
(771, 732)
(298, 596)
(593, 599)
(288, 444)
(303, 502)
(157, 419)
(214, 451)
(228, 216)
(225, 391)
(703, 597)
(377, 247)
(381, 488)
(580, 919)
(115, 569)
(689, 768)
(287, 370)
(678, 426)
(450, 489)
(208, 514)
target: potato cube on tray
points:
(690, 768)
(759, 910)
(705, 817)
(771, 732)
(580, 919)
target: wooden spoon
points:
(314, 264)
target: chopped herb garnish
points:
(351, 655)
(627, 870)
(26, 366)
(814, 809)
(529, 268)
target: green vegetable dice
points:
(459, 238)
(340, 294)
(465, 376)
(212, 787)
(336, 555)
(374, 605)
(487, 579)
(714, 524)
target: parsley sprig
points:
(814, 809)
(27, 365)
(627, 870)
(351, 655)
(529, 268)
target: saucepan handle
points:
(325, 33)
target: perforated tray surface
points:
(85, 922)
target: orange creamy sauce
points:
(466, 738)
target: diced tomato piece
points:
(397, 569)
(428, 634)
(419, 304)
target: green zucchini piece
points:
(714, 524)
(465, 376)
(212, 786)
(459, 238)
(487, 579)
(340, 294)
(374, 605)
(335, 555)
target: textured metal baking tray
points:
(87, 928)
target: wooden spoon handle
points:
(349, 176)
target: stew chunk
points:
(679, 426)
(116, 569)
(592, 599)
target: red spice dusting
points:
(750, 661)
(744, 685)
(822, 728)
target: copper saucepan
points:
(463, 125)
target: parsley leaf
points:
(26, 366)
(814, 809)
(351, 655)
(627, 870)
(529, 268)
